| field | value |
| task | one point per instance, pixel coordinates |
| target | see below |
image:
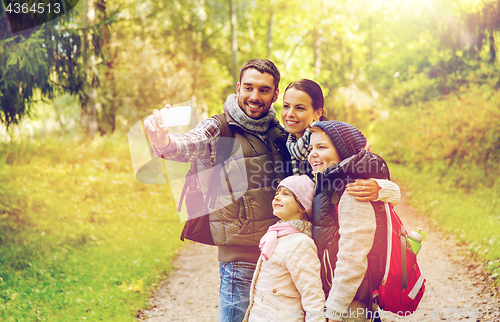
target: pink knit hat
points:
(303, 189)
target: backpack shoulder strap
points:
(224, 150)
(222, 153)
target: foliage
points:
(167, 53)
(439, 49)
(395, 52)
(457, 136)
(79, 236)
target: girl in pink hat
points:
(286, 285)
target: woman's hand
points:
(364, 190)
(368, 147)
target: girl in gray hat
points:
(350, 235)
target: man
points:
(237, 227)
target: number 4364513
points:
(35, 8)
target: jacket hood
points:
(363, 165)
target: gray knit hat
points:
(347, 139)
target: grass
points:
(80, 238)
(473, 216)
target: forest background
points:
(81, 238)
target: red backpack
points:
(402, 286)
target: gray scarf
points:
(299, 150)
(255, 125)
(302, 225)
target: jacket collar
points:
(362, 165)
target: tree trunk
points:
(444, 76)
(342, 59)
(196, 67)
(317, 40)
(370, 40)
(234, 40)
(493, 54)
(251, 34)
(270, 31)
(107, 119)
(89, 95)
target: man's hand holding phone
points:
(158, 125)
(156, 132)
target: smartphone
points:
(176, 116)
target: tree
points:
(45, 61)
(234, 40)
(37, 66)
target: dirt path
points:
(457, 288)
(191, 292)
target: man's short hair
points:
(263, 66)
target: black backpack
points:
(197, 227)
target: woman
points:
(303, 105)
